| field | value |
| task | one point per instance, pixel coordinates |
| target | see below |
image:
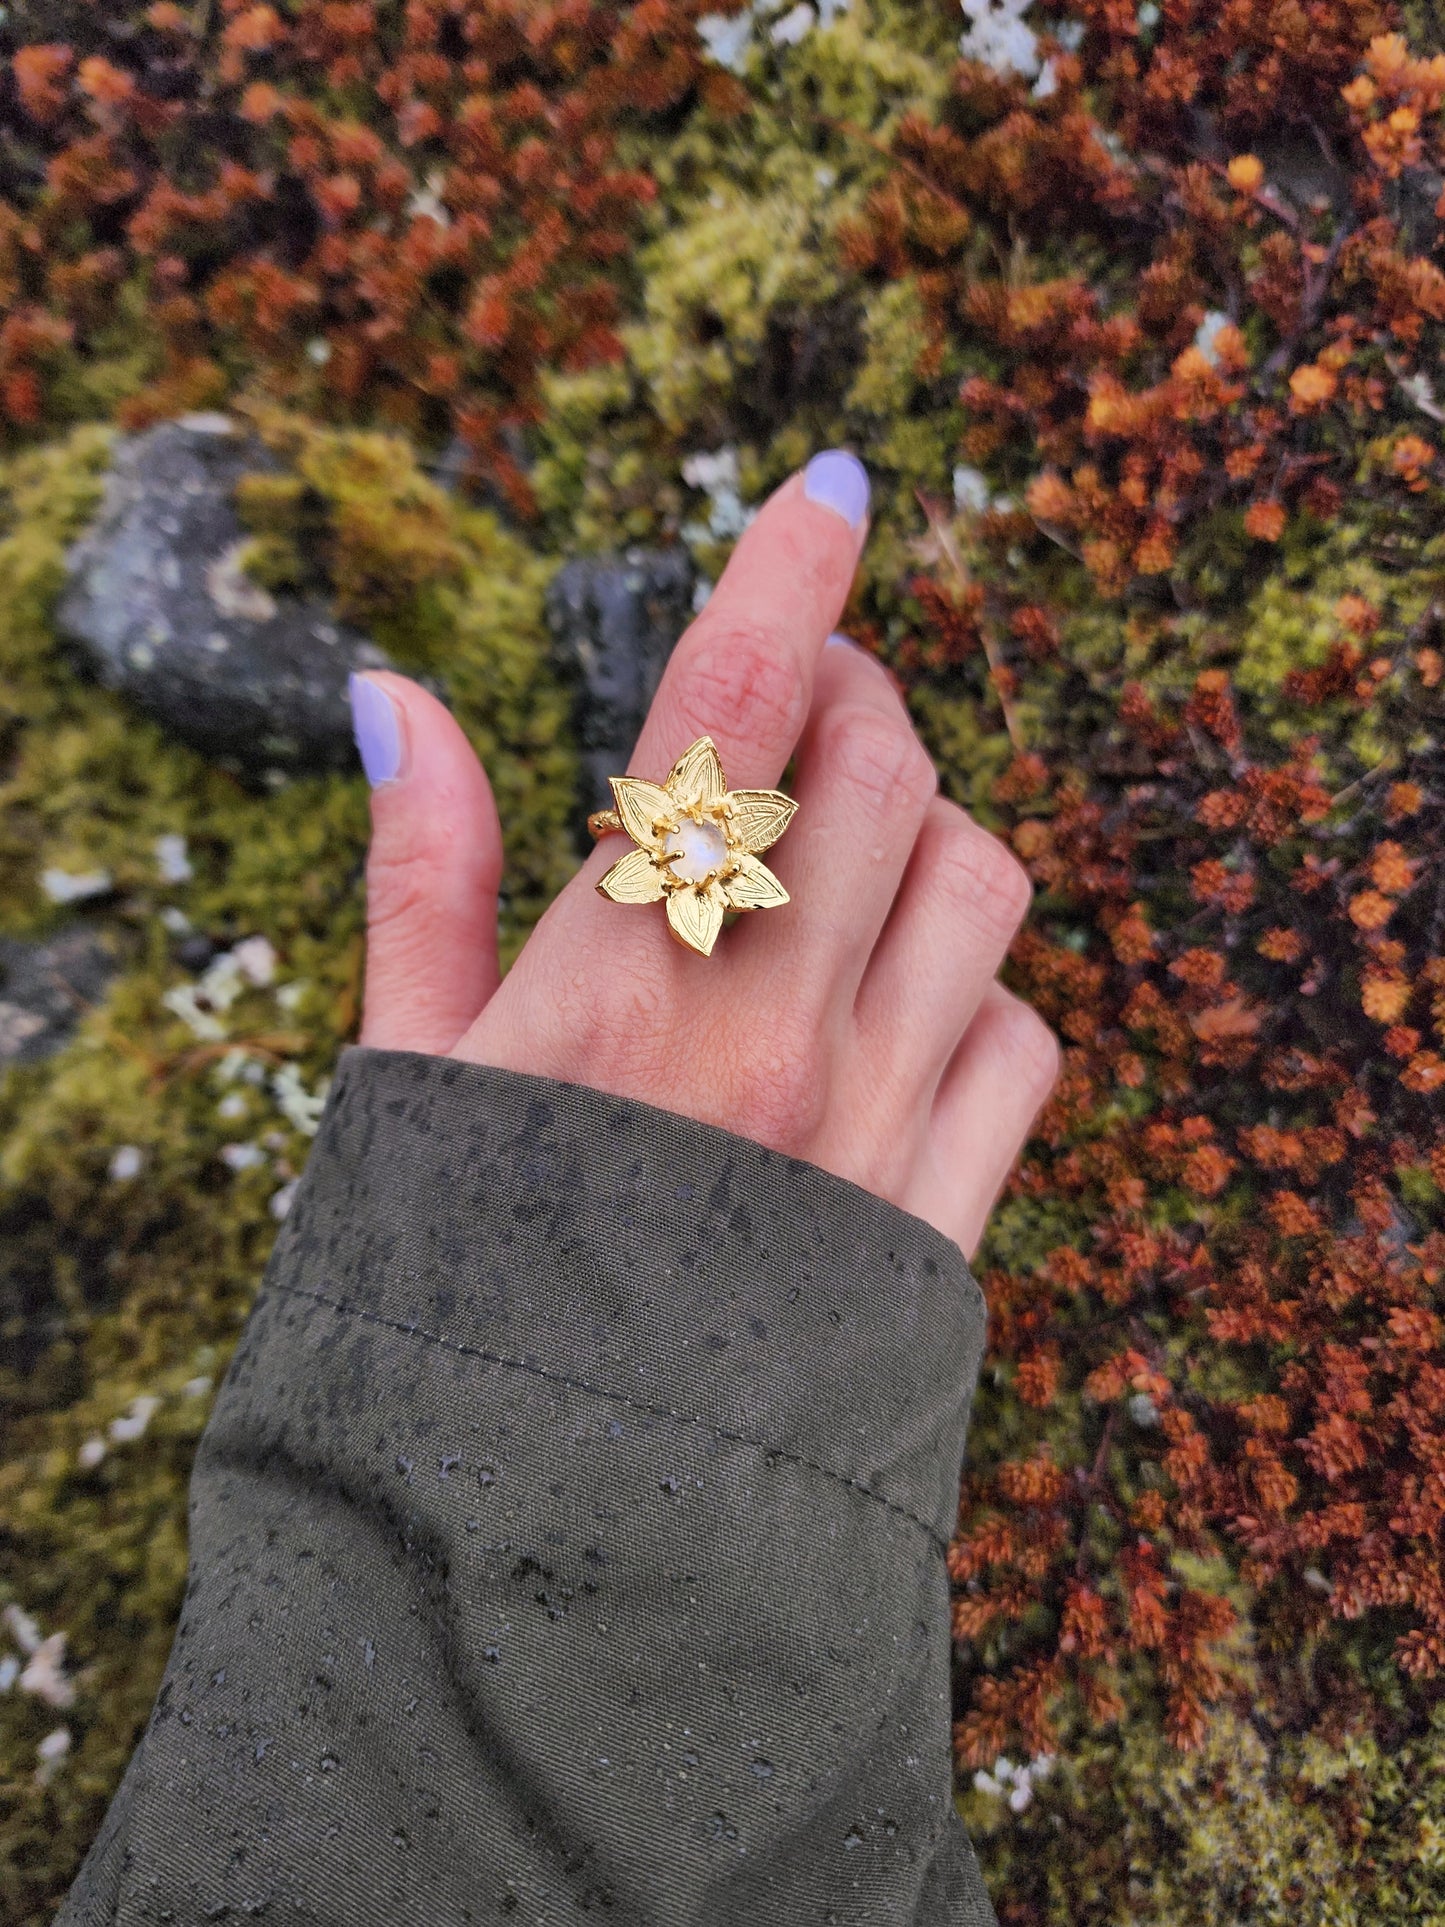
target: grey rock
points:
(159, 610)
(45, 988)
(614, 620)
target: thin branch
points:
(999, 672)
(893, 157)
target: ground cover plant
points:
(1135, 313)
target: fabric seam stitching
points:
(617, 1398)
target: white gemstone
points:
(697, 849)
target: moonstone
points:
(697, 849)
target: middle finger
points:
(864, 786)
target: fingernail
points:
(845, 642)
(377, 729)
(837, 480)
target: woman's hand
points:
(859, 1026)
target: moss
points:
(116, 1289)
(750, 330)
(1255, 1827)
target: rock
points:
(614, 620)
(44, 989)
(160, 610)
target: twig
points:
(891, 155)
(999, 672)
(1317, 285)
(274, 1047)
(1409, 390)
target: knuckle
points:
(981, 877)
(399, 889)
(880, 755)
(776, 1086)
(1029, 1047)
(737, 682)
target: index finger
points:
(743, 671)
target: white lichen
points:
(997, 36)
(301, 1108)
(51, 1751)
(126, 1162)
(242, 1157)
(44, 1674)
(1015, 1784)
(970, 490)
(1207, 334)
(132, 1424)
(172, 858)
(69, 886)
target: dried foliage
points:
(1219, 1305)
(404, 209)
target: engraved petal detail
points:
(695, 917)
(697, 774)
(759, 817)
(641, 805)
(634, 879)
(754, 887)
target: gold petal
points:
(759, 817)
(695, 917)
(641, 805)
(754, 887)
(635, 879)
(697, 774)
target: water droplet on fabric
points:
(761, 1769)
(329, 1763)
(492, 1655)
(670, 1485)
(852, 1838)
(368, 1653)
(719, 1827)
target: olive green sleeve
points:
(567, 1540)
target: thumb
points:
(432, 873)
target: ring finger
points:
(959, 908)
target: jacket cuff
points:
(647, 1259)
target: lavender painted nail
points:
(839, 640)
(837, 480)
(377, 729)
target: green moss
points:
(113, 1289)
(751, 331)
(1255, 1827)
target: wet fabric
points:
(567, 1540)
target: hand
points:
(860, 1026)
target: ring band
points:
(697, 845)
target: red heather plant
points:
(399, 210)
(1247, 1149)
(1189, 303)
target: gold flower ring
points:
(698, 845)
